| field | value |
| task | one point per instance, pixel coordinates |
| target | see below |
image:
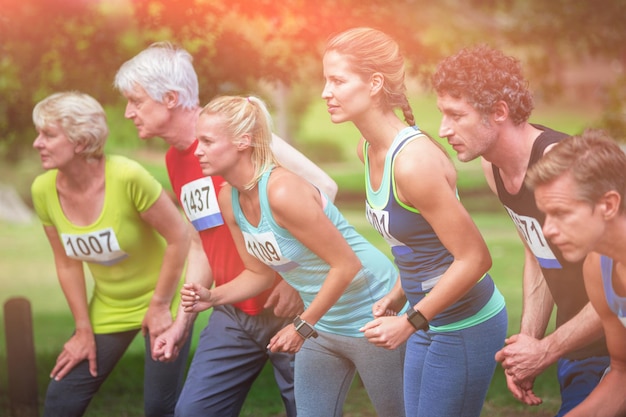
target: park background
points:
(573, 53)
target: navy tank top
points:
(564, 279)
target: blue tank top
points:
(616, 303)
(306, 272)
(418, 253)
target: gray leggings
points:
(325, 368)
(70, 396)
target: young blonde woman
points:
(282, 223)
(457, 320)
(109, 213)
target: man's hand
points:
(523, 357)
(522, 391)
(285, 300)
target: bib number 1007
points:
(100, 246)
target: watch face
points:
(306, 331)
(417, 320)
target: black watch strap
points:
(304, 329)
(417, 319)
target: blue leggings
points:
(325, 368)
(70, 396)
(577, 378)
(448, 373)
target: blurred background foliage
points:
(573, 49)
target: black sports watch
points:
(303, 328)
(417, 319)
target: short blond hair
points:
(79, 115)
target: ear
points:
(609, 204)
(79, 148)
(500, 111)
(170, 99)
(244, 142)
(377, 81)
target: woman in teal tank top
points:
(282, 223)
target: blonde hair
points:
(372, 51)
(79, 115)
(595, 161)
(247, 115)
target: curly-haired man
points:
(485, 104)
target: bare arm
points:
(537, 301)
(292, 159)
(435, 198)
(168, 344)
(298, 208)
(81, 346)
(607, 399)
(529, 353)
(254, 279)
(168, 222)
(284, 299)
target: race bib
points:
(530, 229)
(99, 247)
(199, 202)
(265, 248)
(379, 219)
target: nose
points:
(326, 94)
(129, 112)
(38, 142)
(445, 130)
(549, 229)
(198, 151)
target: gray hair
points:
(159, 69)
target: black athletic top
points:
(564, 279)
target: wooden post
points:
(22, 367)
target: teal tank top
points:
(306, 272)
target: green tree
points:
(51, 45)
(561, 34)
(54, 45)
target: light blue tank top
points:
(306, 272)
(418, 253)
(616, 303)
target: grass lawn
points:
(28, 271)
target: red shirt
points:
(197, 195)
